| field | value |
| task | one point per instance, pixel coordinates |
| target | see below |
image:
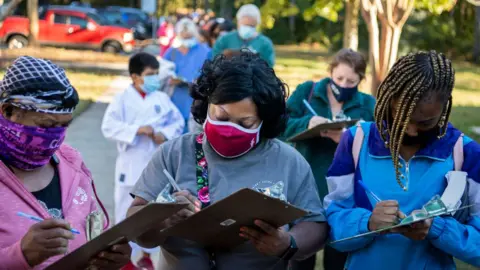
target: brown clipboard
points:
(315, 131)
(129, 229)
(218, 225)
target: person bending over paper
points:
(48, 205)
(241, 103)
(407, 157)
(328, 98)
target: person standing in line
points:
(188, 54)
(43, 177)
(139, 120)
(241, 103)
(331, 98)
(246, 36)
(410, 157)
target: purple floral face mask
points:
(28, 148)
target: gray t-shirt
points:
(272, 161)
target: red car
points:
(70, 27)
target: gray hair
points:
(186, 25)
(250, 10)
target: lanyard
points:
(203, 193)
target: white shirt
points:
(125, 115)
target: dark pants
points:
(332, 260)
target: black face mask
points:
(343, 94)
(422, 138)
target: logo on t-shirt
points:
(270, 189)
(158, 109)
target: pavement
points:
(99, 154)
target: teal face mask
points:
(151, 83)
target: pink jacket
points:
(78, 201)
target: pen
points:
(37, 219)
(309, 107)
(171, 180)
(377, 199)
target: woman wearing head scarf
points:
(410, 158)
(246, 36)
(241, 104)
(188, 54)
(42, 177)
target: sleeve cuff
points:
(17, 258)
(437, 228)
(363, 224)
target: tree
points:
(32, 12)
(226, 9)
(329, 9)
(350, 25)
(476, 46)
(384, 37)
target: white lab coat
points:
(124, 116)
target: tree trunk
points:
(350, 26)
(476, 47)
(369, 14)
(291, 23)
(384, 46)
(226, 9)
(159, 11)
(206, 5)
(32, 10)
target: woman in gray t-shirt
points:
(241, 103)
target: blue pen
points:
(377, 199)
(309, 107)
(37, 219)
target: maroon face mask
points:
(230, 140)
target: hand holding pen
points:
(46, 239)
(181, 196)
(385, 213)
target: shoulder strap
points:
(458, 153)
(357, 144)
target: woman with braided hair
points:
(383, 171)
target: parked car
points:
(70, 27)
(138, 20)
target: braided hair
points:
(412, 78)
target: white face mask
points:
(247, 32)
(188, 43)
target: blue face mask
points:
(343, 94)
(151, 83)
(247, 32)
(188, 43)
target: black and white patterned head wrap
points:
(38, 85)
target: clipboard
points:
(127, 230)
(218, 225)
(401, 224)
(315, 131)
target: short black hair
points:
(223, 81)
(140, 61)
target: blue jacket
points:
(349, 208)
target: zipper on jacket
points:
(406, 173)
